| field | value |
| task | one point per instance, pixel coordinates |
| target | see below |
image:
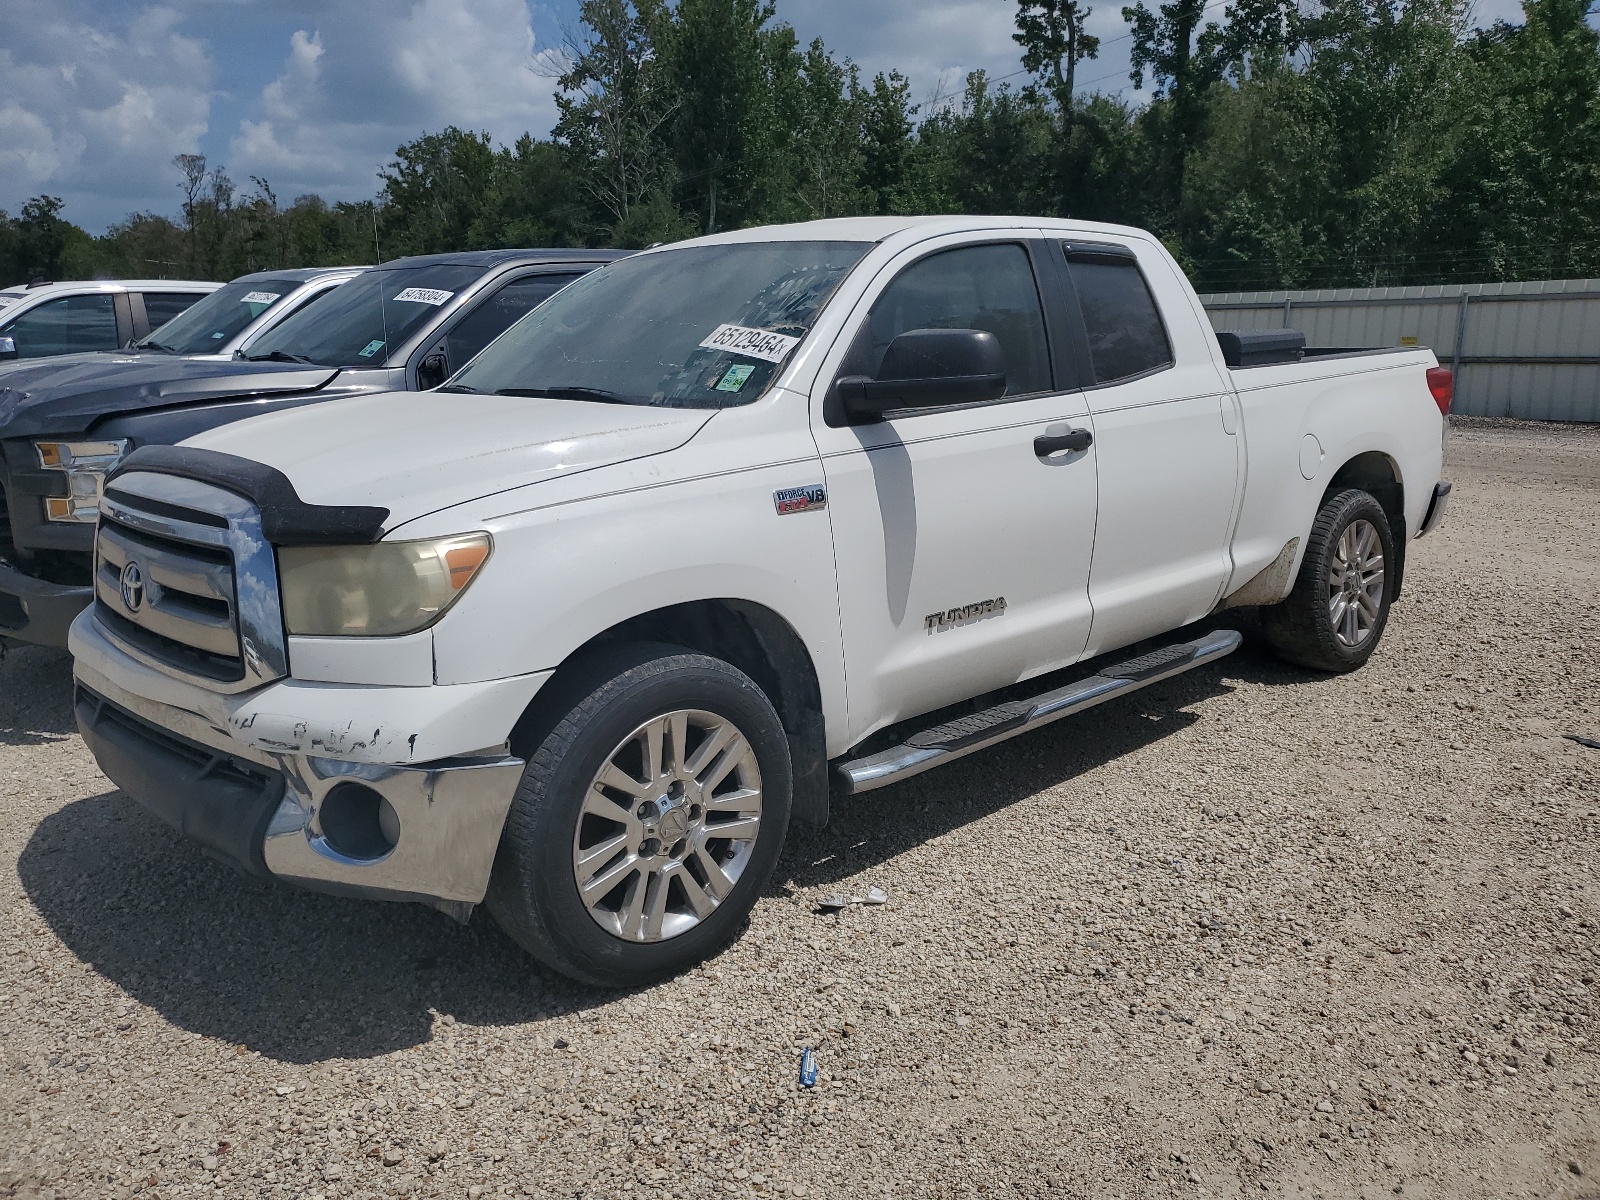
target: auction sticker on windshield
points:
(259, 298)
(424, 296)
(752, 343)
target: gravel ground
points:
(1251, 932)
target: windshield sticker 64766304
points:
(433, 296)
(752, 343)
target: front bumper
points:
(32, 610)
(278, 801)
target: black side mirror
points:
(929, 368)
(433, 371)
(8, 349)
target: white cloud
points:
(933, 43)
(370, 75)
(95, 113)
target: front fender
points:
(563, 574)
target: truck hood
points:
(67, 395)
(418, 452)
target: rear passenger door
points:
(1169, 460)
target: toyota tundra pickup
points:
(721, 534)
(65, 422)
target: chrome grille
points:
(185, 582)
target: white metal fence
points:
(1528, 350)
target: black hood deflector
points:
(286, 520)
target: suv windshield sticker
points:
(259, 298)
(751, 343)
(424, 296)
(737, 376)
(371, 348)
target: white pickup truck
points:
(718, 530)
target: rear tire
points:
(648, 820)
(1337, 612)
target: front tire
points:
(1337, 612)
(648, 820)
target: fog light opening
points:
(358, 823)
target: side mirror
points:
(929, 368)
(8, 349)
(433, 371)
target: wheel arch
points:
(750, 636)
(1379, 474)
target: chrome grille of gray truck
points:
(185, 582)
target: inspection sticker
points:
(371, 348)
(752, 343)
(424, 296)
(737, 376)
(260, 298)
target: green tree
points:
(437, 192)
(615, 105)
(1051, 34)
(887, 124)
(712, 51)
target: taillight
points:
(1443, 387)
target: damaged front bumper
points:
(383, 792)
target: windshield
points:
(360, 323)
(700, 327)
(208, 325)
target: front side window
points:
(67, 326)
(205, 326)
(973, 287)
(161, 307)
(363, 322)
(696, 327)
(1126, 337)
(499, 313)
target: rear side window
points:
(161, 307)
(972, 287)
(65, 326)
(1126, 337)
(499, 313)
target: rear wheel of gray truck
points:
(1335, 616)
(648, 820)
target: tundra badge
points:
(800, 499)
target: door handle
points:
(1049, 444)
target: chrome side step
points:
(958, 738)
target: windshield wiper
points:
(141, 347)
(281, 356)
(456, 387)
(598, 395)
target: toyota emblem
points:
(132, 587)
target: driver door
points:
(963, 552)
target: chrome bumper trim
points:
(450, 817)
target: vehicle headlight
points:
(85, 465)
(382, 590)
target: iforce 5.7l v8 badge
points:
(800, 499)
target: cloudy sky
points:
(97, 96)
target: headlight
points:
(376, 591)
(85, 465)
